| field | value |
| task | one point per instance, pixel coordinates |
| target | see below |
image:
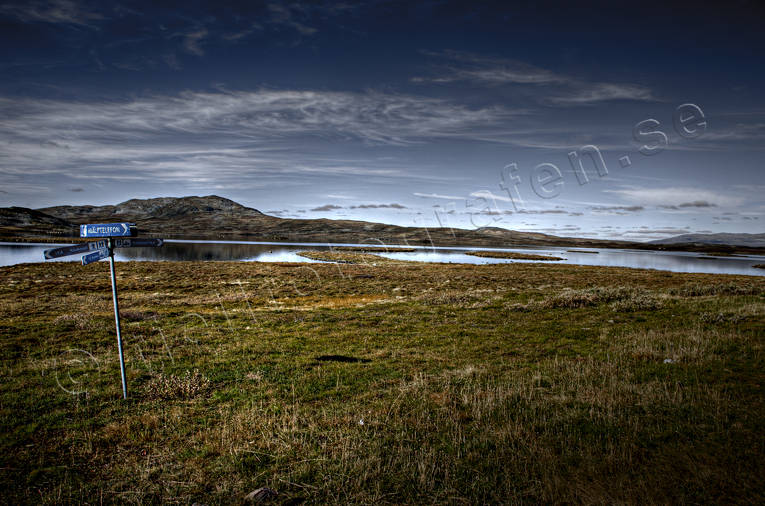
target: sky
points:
(635, 120)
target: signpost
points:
(107, 230)
(97, 255)
(98, 250)
(73, 250)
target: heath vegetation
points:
(386, 382)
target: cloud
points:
(378, 206)
(333, 207)
(697, 203)
(193, 39)
(488, 71)
(54, 11)
(626, 209)
(438, 196)
(558, 89)
(659, 231)
(372, 117)
(544, 211)
(285, 14)
(588, 93)
(228, 137)
(676, 197)
(327, 207)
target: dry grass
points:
(170, 386)
(622, 298)
(708, 289)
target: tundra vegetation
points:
(381, 381)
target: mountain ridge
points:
(217, 218)
(723, 238)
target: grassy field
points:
(389, 383)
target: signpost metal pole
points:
(118, 235)
(117, 317)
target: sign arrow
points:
(138, 243)
(97, 255)
(73, 250)
(106, 230)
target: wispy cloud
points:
(658, 231)
(675, 197)
(287, 15)
(617, 209)
(695, 203)
(379, 206)
(193, 39)
(226, 137)
(334, 207)
(582, 93)
(66, 12)
(438, 196)
(487, 71)
(326, 207)
(556, 89)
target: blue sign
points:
(97, 255)
(74, 249)
(106, 230)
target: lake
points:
(177, 250)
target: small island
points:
(374, 249)
(348, 257)
(512, 255)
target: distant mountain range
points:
(217, 218)
(727, 239)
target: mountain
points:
(725, 239)
(24, 222)
(218, 218)
(214, 217)
(164, 208)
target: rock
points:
(260, 495)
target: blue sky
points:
(413, 113)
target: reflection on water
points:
(15, 253)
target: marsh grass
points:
(508, 383)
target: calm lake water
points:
(16, 253)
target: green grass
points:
(391, 383)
